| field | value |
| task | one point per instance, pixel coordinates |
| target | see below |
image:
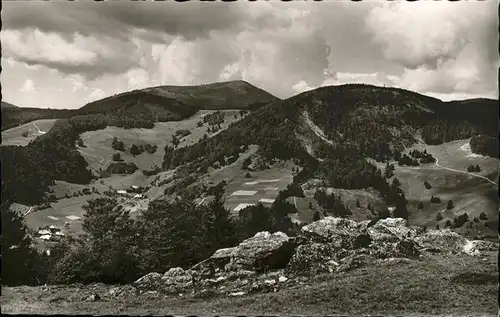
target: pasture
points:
(14, 136)
(98, 151)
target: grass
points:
(14, 136)
(98, 151)
(437, 285)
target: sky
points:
(61, 54)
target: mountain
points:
(183, 101)
(6, 105)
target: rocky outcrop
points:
(262, 252)
(314, 258)
(266, 262)
(344, 233)
(391, 230)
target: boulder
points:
(313, 258)
(341, 231)
(353, 261)
(476, 247)
(391, 230)
(149, 281)
(262, 252)
(443, 240)
(176, 280)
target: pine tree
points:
(18, 256)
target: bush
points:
(459, 221)
(136, 149)
(247, 175)
(420, 205)
(435, 200)
(477, 169)
(316, 216)
(449, 205)
(471, 168)
(117, 157)
(427, 185)
(25, 134)
(117, 145)
(483, 216)
(439, 217)
(447, 223)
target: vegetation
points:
(332, 204)
(19, 258)
(427, 185)
(484, 145)
(117, 157)
(117, 145)
(439, 217)
(450, 205)
(459, 221)
(435, 200)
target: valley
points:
(335, 159)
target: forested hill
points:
(353, 120)
(184, 100)
(142, 108)
(6, 105)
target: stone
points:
(313, 258)
(282, 279)
(149, 281)
(176, 280)
(391, 230)
(476, 247)
(341, 231)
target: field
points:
(14, 135)
(441, 284)
(450, 181)
(98, 151)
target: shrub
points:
(316, 216)
(427, 185)
(80, 142)
(117, 145)
(459, 221)
(471, 168)
(420, 205)
(396, 182)
(439, 217)
(248, 175)
(475, 219)
(435, 200)
(437, 226)
(25, 134)
(477, 169)
(447, 223)
(449, 205)
(117, 157)
(483, 216)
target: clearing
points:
(34, 129)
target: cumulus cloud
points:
(443, 48)
(284, 48)
(28, 86)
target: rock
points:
(405, 249)
(149, 281)
(241, 293)
(270, 282)
(282, 279)
(313, 258)
(391, 230)
(93, 298)
(475, 247)
(341, 231)
(176, 280)
(444, 240)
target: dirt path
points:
(464, 172)
(317, 130)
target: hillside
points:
(6, 105)
(178, 102)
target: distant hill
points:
(142, 108)
(181, 101)
(6, 105)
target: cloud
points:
(28, 86)
(443, 48)
(283, 48)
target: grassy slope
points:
(437, 284)
(469, 194)
(14, 136)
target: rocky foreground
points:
(346, 260)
